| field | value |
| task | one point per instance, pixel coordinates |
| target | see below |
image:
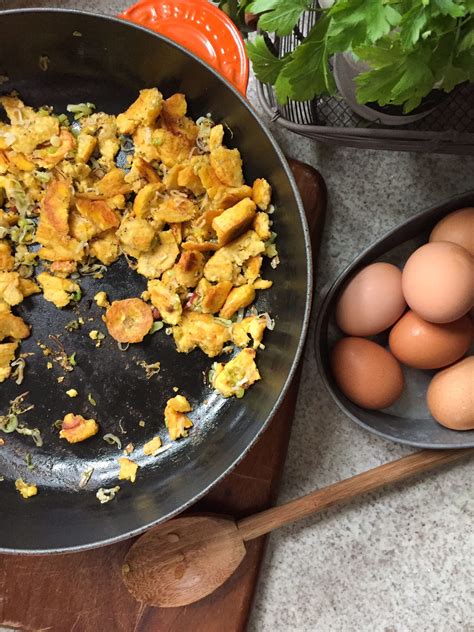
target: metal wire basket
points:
(449, 128)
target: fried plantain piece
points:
(211, 297)
(98, 213)
(238, 297)
(129, 320)
(54, 211)
(143, 111)
(234, 221)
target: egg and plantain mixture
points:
(179, 211)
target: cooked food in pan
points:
(79, 191)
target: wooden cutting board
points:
(83, 592)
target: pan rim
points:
(308, 295)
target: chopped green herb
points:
(80, 109)
(29, 461)
(157, 326)
(72, 325)
(91, 399)
(10, 424)
(77, 295)
(34, 433)
(63, 120)
(85, 477)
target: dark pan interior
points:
(404, 427)
(107, 65)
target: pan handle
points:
(201, 28)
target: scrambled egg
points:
(175, 420)
(7, 355)
(128, 470)
(57, 290)
(25, 490)
(75, 428)
(235, 377)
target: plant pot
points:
(346, 68)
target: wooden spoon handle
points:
(393, 472)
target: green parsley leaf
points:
(279, 16)
(467, 41)
(415, 82)
(412, 24)
(448, 7)
(376, 85)
(266, 66)
(453, 76)
(307, 73)
(378, 24)
(465, 60)
(379, 56)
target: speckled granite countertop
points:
(396, 561)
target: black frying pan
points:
(108, 65)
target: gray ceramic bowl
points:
(408, 420)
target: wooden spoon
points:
(186, 559)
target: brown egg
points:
(366, 373)
(438, 282)
(457, 227)
(450, 396)
(423, 345)
(371, 301)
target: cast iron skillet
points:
(107, 65)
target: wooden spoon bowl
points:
(183, 560)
